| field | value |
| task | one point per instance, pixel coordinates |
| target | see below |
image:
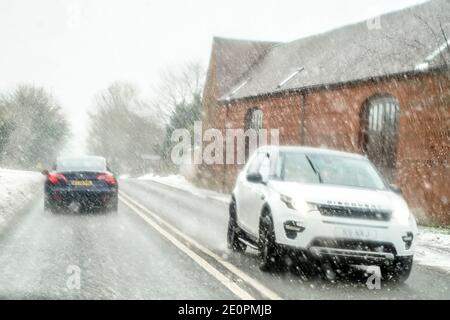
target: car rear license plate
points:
(356, 233)
(81, 183)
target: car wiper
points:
(314, 168)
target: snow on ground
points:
(433, 246)
(16, 189)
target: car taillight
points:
(108, 178)
(55, 178)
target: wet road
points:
(117, 256)
(162, 244)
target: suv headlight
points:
(301, 206)
(402, 214)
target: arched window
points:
(253, 120)
(380, 123)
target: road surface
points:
(162, 244)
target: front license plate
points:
(356, 233)
(81, 183)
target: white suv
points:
(321, 205)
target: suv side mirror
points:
(396, 189)
(45, 172)
(255, 177)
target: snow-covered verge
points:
(433, 246)
(17, 188)
(180, 182)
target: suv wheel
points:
(398, 271)
(267, 245)
(233, 231)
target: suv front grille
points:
(358, 245)
(356, 213)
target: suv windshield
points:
(81, 164)
(319, 168)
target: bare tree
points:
(178, 94)
(438, 39)
(177, 86)
(122, 129)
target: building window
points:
(380, 125)
(253, 120)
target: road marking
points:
(229, 266)
(233, 287)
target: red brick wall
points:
(332, 119)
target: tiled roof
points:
(409, 40)
(234, 57)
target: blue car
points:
(80, 182)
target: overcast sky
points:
(76, 48)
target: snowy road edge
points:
(17, 190)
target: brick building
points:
(381, 88)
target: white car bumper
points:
(347, 237)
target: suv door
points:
(243, 189)
(258, 194)
(251, 196)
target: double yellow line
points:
(163, 227)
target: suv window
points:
(318, 168)
(295, 167)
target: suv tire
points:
(268, 249)
(398, 271)
(234, 231)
